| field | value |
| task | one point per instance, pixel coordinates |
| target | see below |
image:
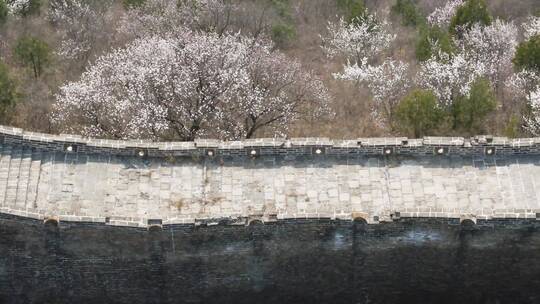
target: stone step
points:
(24, 176)
(33, 180)
(5, 159)
(13, 177)
(45, 179)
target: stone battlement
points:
(277, 146)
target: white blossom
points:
(361, 41)
(17, 6)
(531, 27)
(81, 25)
(361, 38)
(387, 83)
(532, 123)
(521, 85)
(443, 15)
(195, 84)
(448, 76)
(483, 51)
(491, 46)
(523, 82)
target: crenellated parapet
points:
(477, 145)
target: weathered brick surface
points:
(129, 182)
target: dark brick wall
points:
(408, 261)
(474, 146)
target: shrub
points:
(512, 127)
(3, 12)
(282, 8)
(473, 11)
(528, 55)
(424, 48)
(282, 34)
(8, 92)
(33, 53)
(128, 4)
(418, 113)
(471, 111)
(410, 16)
(353, 9)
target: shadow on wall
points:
(407, 261)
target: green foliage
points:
(32, 7)
(3, 12)
(282, 31)
(424, 49)
(352, 9)
(473, 11)
(33, 53)
(282, 8)
(8, 94)
(418, 114)
(282, 34)
(128, 4)
(410, 16)
(528, 54)
(470, 112)
(512, 128)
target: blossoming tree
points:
(491, 46)
(187, 86)
(442, 16)
(361, 38)
(531, 27)
(532, 122)
(361, 42)
(388, 82)
(82, 25)
(482, 51)
(448, 76)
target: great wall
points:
(313, 220)
(68, 178)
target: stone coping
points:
(477, 145)
(506, 214)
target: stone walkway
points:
(129, 190)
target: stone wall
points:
(457, 220)
(296, 261)
(206, 182)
